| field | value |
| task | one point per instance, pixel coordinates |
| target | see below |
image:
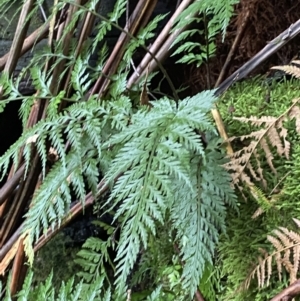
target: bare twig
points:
(157, 45)
(13, 238)
(19, 37)
(11, 184)
(138, 18)
(289, 293)
(272, 47)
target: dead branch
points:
(138, 18)
(288, 293)
(199, 296)
(10, 185)
(272, 47)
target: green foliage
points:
(92, 257)
(158, 149)
(200, 221)
(83, 128)
(104, 27)
(163, 164)
(291, 187)
(210, 286)
(256, 97)
(277, 203)
(67, 292)
(238, 249)
(214, 18)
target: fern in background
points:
(215, 17)
(277, 199)
(67, 292)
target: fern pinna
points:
(215, 17)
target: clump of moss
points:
(256, 97)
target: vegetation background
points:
(132, 169)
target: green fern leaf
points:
(157, 148)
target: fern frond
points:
(156, 151)
(273, 134)
(152, 152)
(219, 14)
(91, 258)
(49, 206)
(287, 254)
(67, 291)
(289, 69)
(79, 121)
(106, 25)
(201, 217)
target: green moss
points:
(245, 235)
(256, 97)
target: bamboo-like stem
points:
(19, 37)
(157, 45)
(11, 184)
(271, 48)
(38, 35)
(140, 15)
(51, 232)
(19, 202)
(161, 55)
(9, 244)
(84, 33)
(26, 188)
(56, 85)
(18, 272)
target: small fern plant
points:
(255, 161)
(69, 291)
(213, 18)
(162, 161)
